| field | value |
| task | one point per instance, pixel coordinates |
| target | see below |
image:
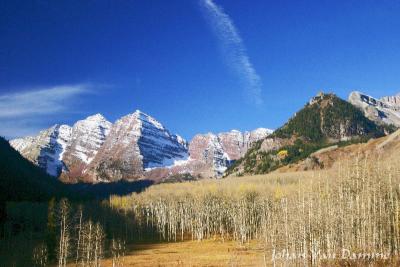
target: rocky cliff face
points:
(382, 111)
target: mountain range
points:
(137, 146)
(134, 147)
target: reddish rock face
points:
(234, 144)
(203, 147)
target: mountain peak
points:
(146, 118)
(138, 112)
(96, 117)
(328, 118)
(320, 97)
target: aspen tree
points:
(98, 244)
(64, 232)
(79, 235)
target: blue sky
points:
(196, 66)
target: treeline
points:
(355, 207)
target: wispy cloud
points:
(23, 112)
(39, 101)
(234, 49)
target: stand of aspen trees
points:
(82, 239)
(73, 237)
(354, 207)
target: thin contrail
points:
(234, 49)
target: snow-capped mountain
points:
(136, 146)
(385, 110)
(46, 149)
(66, 149)
(137, 142)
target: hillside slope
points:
(324, 120)
(385, 148)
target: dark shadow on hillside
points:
(104, 190)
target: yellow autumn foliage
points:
(282, 154)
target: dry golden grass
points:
(386, 148)
(214, 253)
(193, 253)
